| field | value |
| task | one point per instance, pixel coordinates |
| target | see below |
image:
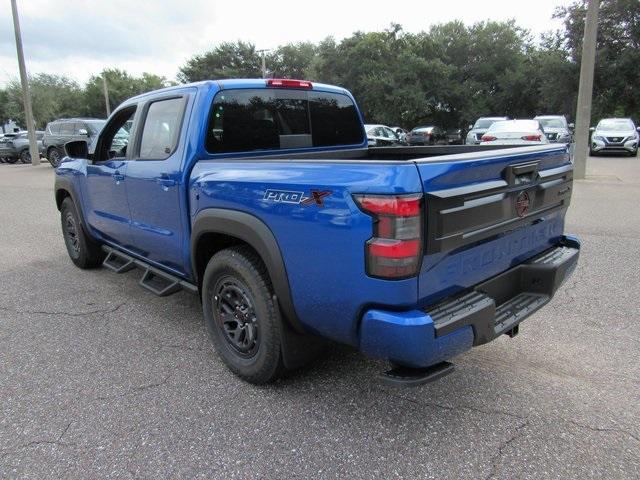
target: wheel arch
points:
(216, 228)
(64, 188)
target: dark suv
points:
(66, 130)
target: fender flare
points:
(258, 235)
(66, 185)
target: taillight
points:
(395, 250)
(288, 83)
(488, 138)
(532, 138)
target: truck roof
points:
(235, 83)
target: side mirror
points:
(77, 149)
(592, 129)
(638, 129)
(470, 127)
(572, 126)
(83, 131)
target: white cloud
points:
(80, 38)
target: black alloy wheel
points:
(71, 234)
(235, 315)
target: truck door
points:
(105, 195)
(154, 184)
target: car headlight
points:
(599, 138)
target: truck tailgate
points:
(488, 211)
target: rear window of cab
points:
(245, 120)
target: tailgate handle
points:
(521, 173)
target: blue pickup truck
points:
(263, 198)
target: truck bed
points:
(438, 153)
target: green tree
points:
(4, 114)
(227, 60)
(121, 86)
(291, 61)
(618, 53)
(52, 96)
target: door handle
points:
(166, 182)
(118, 177)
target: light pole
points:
(26, 95)
(264, 63)
(106, 93)
(585, 90)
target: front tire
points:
(241, 317)
(83, 250)
(54, 155)
(11, 160)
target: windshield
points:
(616, 125)
(484, 123)
(551, 122)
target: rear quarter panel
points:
(322, 246)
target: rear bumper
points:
(477, 316)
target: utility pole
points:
(264, 62)
(585, 90)
(26, 95)
(106, 93)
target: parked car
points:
(515, 132)
(479, 128)
(556, 128)
(427, 135)
(401, 132)
(615, 135)
(289, 228)
(16, 147)
(64, 130)
(6, 148)
(454, 136)
(381, 136)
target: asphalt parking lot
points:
(100, 379)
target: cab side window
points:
(114, 138)
(161, 129)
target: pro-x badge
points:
(316, 197)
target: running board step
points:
(117, 262)
(159, 283)
(412, 377)
(153, 279)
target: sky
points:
(80, 38)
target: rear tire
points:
(54, 155)
(11, 160)
(84, 251)
(241, 318)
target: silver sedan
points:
(514, 132)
